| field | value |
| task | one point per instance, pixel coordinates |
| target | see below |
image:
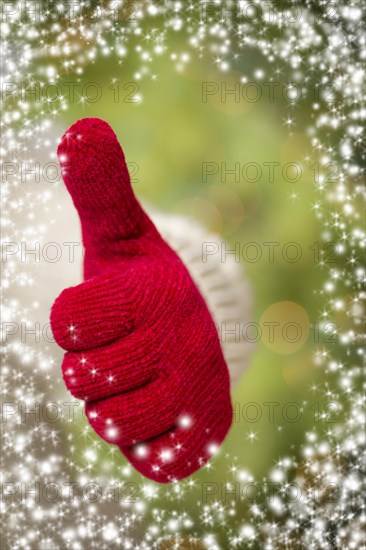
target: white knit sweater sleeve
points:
(222, 284)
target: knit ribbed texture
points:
(142, 347)
(222, 284)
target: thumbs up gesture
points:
(141, 347)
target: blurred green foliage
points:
(169, 134)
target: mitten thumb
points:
(95, 173)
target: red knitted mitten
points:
(142, 348)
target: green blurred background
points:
(169, 134)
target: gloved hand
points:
(142, 348)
